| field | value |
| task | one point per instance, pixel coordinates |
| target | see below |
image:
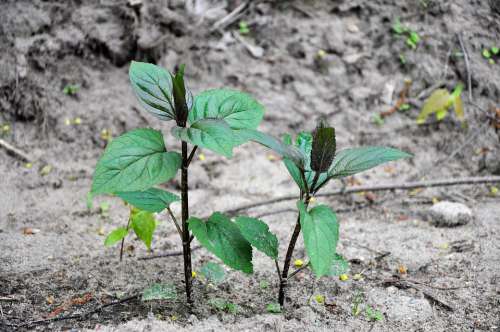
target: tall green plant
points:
(134, 163)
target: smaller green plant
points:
(71, 89)
(243, 28)
(378, 119)
(412, 37)
(159, 292)
(273, 308)
(440, 101)
(373, 314)
(223, 305)
(356, 303)
(491, 54)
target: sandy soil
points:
(45, 45)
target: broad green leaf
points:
(144, 224)
(153, 87)
(115, 236)
(213, 272)
(339, 266)
(323, 148)
(212, 134)
(238, 109)
(284, 150)
(257, 233)
(223, 238)
(356, 160)
(159, 292)
(152, 199)
(320, 231)
(134, 161)
(439, 100)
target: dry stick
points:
(75, 316)
(168, 254)
(15, 151)
(230, 18)
(467, 65)
(382, 187)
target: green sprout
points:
(243, 28)
(71, 89)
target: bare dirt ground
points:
(453, 273)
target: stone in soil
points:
(449, 214)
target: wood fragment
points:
(230, 18)
(15, 151)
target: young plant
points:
(312, 162)
(440, 101)
(134, 163)
(412, 37)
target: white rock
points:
(400, 308)
(449, 214)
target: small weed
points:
(273, 308)
(71, 89)
(243, 28)
(412, 37)
(440, 101)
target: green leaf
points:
(159, 292)
(134, 161)
(339, 266)
(320, 231)
(213, 272)
(144, 224)
(495, 50)
(356, 160)
(438, 101)
(115, 236)
(238, 109)
(257, 233)
(486, 53)
(153, 87)
(152, 199)
(284, 150)
(223, 238)
(273, 308)
(212, 134)
(323, 148)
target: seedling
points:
(243, 28)
(440, 101)
(134, 163)
(491, 54)
(312, 162)
(412, 37)
(373, 314)
(71, 89)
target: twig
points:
(291, 275)
(467, 65)
(15, 151)
(407, 284)
(191, 155)
(168, 254)
(76, 316)
(383, 187)
(230, 18)
(278, 269)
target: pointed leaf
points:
(213, 272)
(356, 160)
(272, 143)
(144, 224)
(159, 292)
(212, 134)
(257, 233)
(438, 101)
(152, 199)
(223, 238)
(115, 236)
(320, 231)
(153, 87)
(238, 109)
(182, 99)
(136, 160)
(323, 148)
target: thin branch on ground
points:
(168, 254)
(230, 18)
(383, 187)
(15, 151)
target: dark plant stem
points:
(123, 241)
(289, 254)
(186, 243)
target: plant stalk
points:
(289, 254)
(186, 243)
